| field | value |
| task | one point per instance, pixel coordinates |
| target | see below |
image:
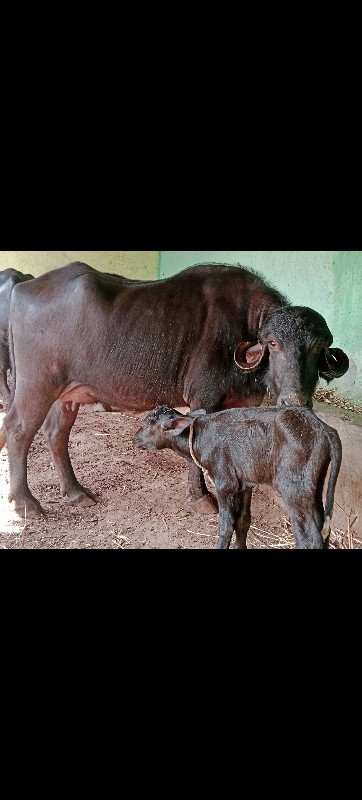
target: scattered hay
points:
(329, 396)
(343, 540)
(269, 540)
(283, 540)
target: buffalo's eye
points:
(272, 344)
(318, 346)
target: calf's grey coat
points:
(289, 449)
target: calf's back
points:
(264, 445)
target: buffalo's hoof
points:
(83, 499)
(205, 505)
(31, 509)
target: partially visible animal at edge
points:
(8, 279)
(289, 449)
(212, 336)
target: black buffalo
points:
(212, 337)
(8, 279)
(289, 449)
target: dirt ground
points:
(141, 497)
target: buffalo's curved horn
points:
(248, 356)
(333, 363)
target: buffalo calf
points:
(289, 449)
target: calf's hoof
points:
(205, 505)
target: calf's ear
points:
(333, 363)
(176, 426)
(198, 413)
(249, 356)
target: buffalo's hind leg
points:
(20, 427)
(56, 429)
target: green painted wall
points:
(139, 264)
(327, 280)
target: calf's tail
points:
(335, 449)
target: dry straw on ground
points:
(330, 397)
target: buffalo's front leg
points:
(202, 502)
(56, 429)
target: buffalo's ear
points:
(176, 426)
(333, 363)
(249, 356)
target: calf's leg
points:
(229, 512)
(242, 523)
(306, 522)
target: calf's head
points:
(161, 426)
(294, 350)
